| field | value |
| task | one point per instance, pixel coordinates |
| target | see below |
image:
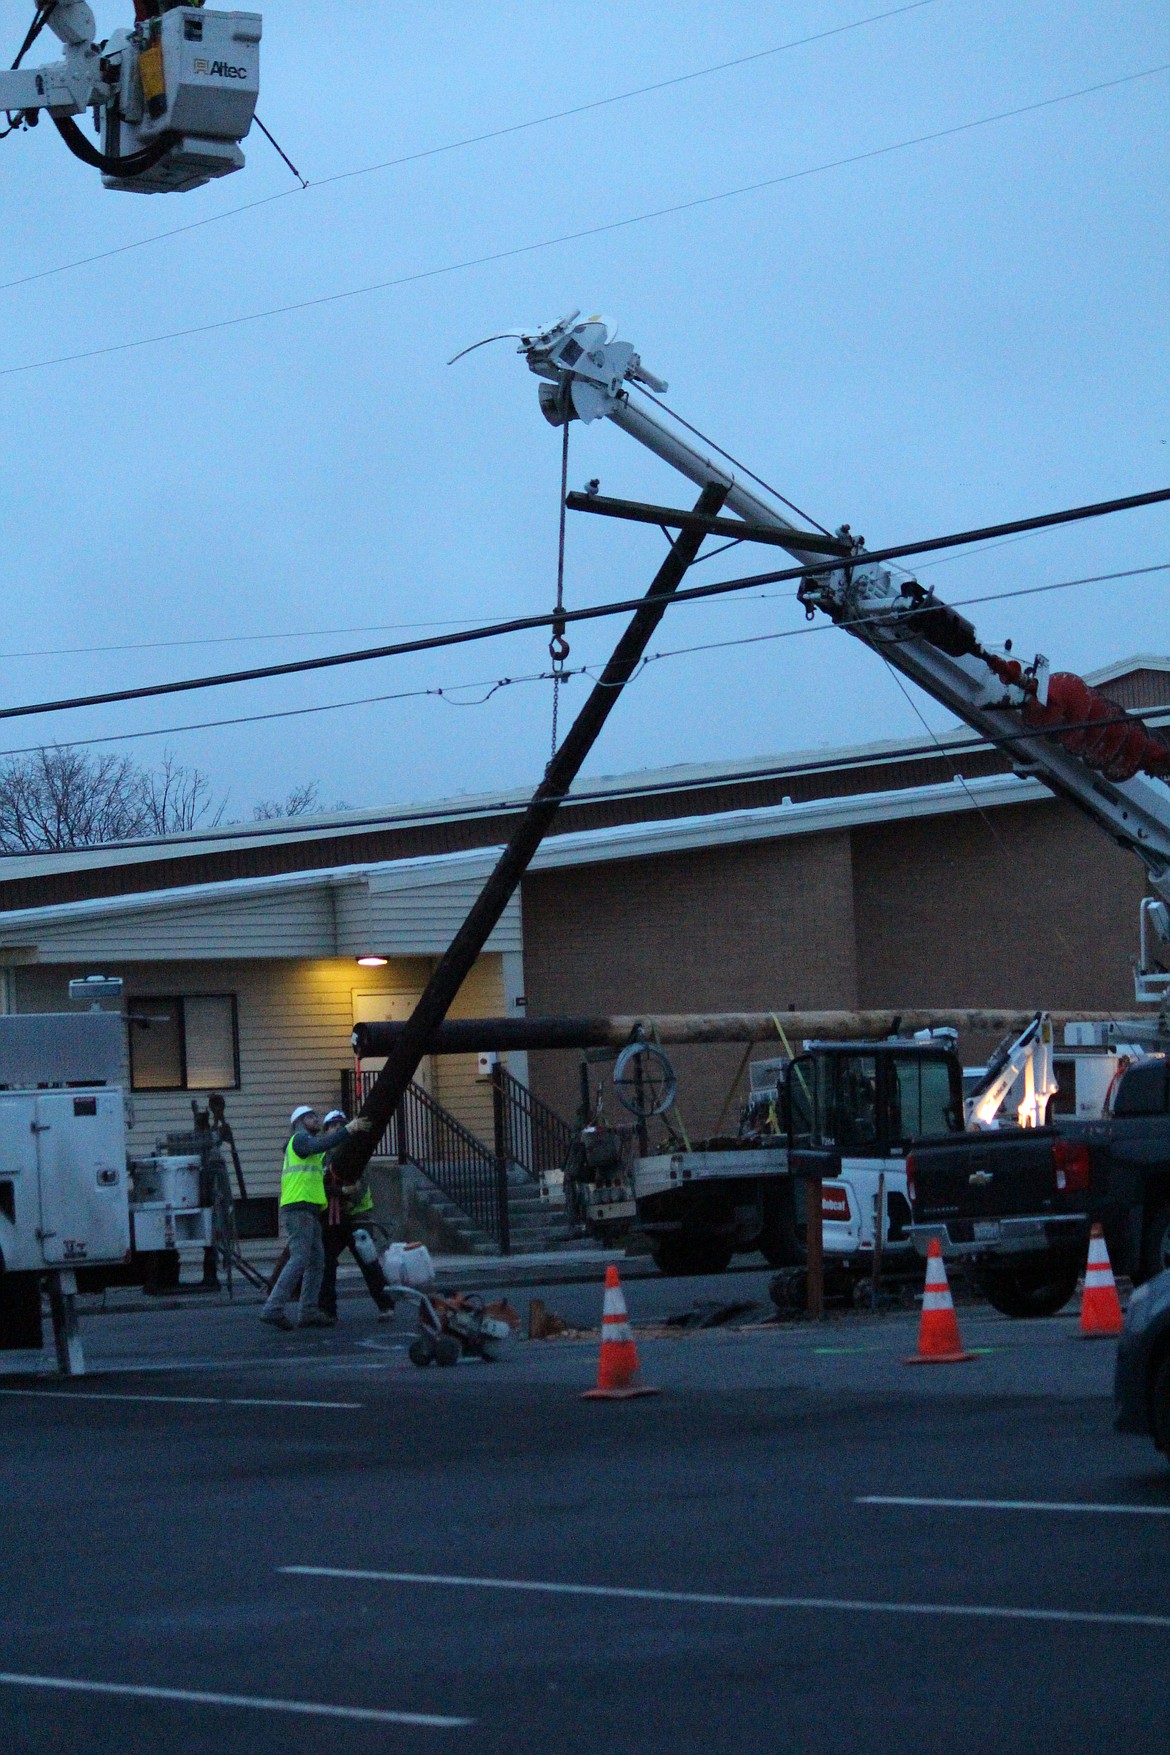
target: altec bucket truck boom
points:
(172, 96)
(1052, 725)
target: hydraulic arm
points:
(1052, 725)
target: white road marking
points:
(196, 1697)
(203, 1401)
(1015, 1505)
(725, 1600)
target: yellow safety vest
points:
(302, 1179)
(363, 1201)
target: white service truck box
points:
(63, 1179)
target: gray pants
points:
(306, 1260)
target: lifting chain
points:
(558, 646)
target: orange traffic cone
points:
(1100, 1306)
(617, 1368)
(938, 1332)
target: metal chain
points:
(558, 646)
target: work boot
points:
(275, 1319)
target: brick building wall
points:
(750, 927)
(1025, 905)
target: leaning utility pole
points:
(456, 964)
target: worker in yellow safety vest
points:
(302, 1205)
(346, 1222)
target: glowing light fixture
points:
(373, 962)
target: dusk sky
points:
(966, 330)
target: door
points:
(20, 1211)
(390, 1008)
(81, 1161)
(921, 1101)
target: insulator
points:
(1092, 727)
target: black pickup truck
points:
(1018, 1202)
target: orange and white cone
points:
(1100, 1305)
(938, 1332)
(617, 1368)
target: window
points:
(1142, 1090)
(920, 1098)
(1065, 1100)
(187, 1044)
(856, 1129)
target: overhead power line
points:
(493, 685)
(468, 140)
(610, 226)
(945, 744)
(594, 612)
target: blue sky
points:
(961, 332)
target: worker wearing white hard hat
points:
(302, 1204)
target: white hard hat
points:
(335, 1115)
(299, 1113)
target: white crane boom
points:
(1052, 726)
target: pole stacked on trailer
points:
(456, 964)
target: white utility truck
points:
(76, 1212)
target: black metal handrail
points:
(532, 1135)
(423, 1133)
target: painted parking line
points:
(726, 1600)
(1013, 1505)
(199, 1401)
(196, 1697)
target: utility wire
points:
(826, 627)
(945, 745)
(594, 231)
(493, 686)
(436, 622)
(465, 141)
(523, 624)
(446, 693)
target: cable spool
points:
(645, 1080)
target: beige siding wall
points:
(456, 1085)
(294, 1022)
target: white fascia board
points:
(163, 901)
(1126, 667)
(688, 834)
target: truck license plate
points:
(986, 1230)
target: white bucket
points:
(408, 1264)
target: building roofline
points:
(1126, 667)
(600, 789)
(682, 777)
(581, 847)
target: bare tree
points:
(297, 803)
(61, 797)
(174, 797)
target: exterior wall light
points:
(373, 962)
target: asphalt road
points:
(229, 1540)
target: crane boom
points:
(1052, 726)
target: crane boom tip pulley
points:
(172, 96)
